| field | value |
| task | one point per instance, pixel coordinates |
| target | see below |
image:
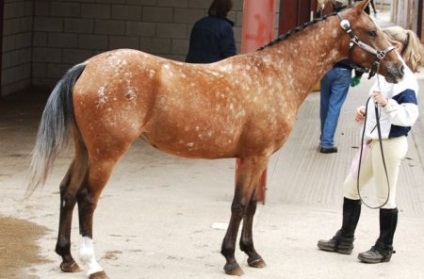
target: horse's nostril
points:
(402, 70)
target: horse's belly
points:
(193, 142)
(193, 149)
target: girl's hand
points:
(379, 98)
(360, 114)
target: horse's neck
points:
(306, 56)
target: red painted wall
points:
(257, 30)
(258, 24)
(295, 13)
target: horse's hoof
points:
(256, 263)
(69, 267)
(233, 269)
(98, 275)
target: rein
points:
(354, 40)
(377, 117)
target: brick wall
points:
(17, 37)
(68, 32)
(49, 36)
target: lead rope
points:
(377, 117)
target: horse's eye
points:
(372, 33)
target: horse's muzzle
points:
(395, 74)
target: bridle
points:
(354, 40)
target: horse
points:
(241, 107)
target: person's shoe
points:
(328, 150)
(379, 253)
(338, 243)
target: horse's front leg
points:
(246, 239)
(229, 243)
(247, 181)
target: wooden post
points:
(257, 30)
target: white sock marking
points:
(88, 257)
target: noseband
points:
(354, 40)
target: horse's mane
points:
(289, 33)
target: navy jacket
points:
(211, 39)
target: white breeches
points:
(372, 167)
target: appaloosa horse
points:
(241, 107)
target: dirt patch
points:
(18, 247)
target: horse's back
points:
(190, 110)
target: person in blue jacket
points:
(333, 92)
(397, 111)
(212, 37)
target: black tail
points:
(53, 133)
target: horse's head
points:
(368, 45)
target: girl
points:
(398, 111)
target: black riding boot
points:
(342, 242)
(383, 249)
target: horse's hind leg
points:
(87, 202)
(101, 166)
(68, 189)
(246, 239)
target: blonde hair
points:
(412, 49)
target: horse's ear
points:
(362, 5)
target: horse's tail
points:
(55, 127)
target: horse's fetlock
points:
(227, 250)
(246, 246)
(63, 247)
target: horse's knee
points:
(238, 208)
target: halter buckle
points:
(382, 53)
(345, 24)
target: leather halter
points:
(354, 40)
